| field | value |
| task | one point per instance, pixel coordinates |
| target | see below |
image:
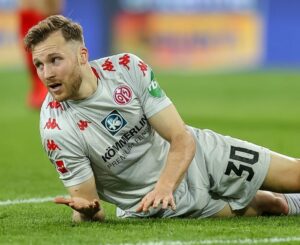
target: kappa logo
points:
(114, 122)
(61, 167)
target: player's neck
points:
(89, 83)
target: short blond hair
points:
(70, 31)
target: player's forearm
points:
(181, 153)
(79, 217)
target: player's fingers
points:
(156, 203)
(141, 205)
(147, 205)
(62, 200)
(165, 203)
(96, 204)
(139, 208)
(79, 206)
(172, 204)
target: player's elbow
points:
(191, 144)
(185, 143)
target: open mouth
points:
(55, 87)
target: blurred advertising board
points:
(10, 46)
(192, 40)
(190, 6)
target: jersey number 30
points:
(242, 159)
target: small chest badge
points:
(114, 122)
(122, 95)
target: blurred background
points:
(195, 35)
(228, 65)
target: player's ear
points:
(83, 55)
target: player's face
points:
(58, 66)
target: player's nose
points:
(48, 72)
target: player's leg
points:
(237, 169)
(264, 202)
(283, 175)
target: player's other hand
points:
(81, 205)
(155, 198)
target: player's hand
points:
(81, 205)
(156, 197)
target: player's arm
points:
(170, 126)
(84, 201)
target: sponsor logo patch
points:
(122, 95)
(114, 122)
(154, 88)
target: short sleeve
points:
(64, 150)
(153, 99)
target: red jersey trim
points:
(96, 73)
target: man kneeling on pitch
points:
(113, 134)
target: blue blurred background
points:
(190, 34)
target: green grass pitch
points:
(262, 107)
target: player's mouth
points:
(55, 87)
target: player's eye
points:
(38, 65)
(56, 60)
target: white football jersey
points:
(108, 135)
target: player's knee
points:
(296, 174)
(297, 160)
(283, 175)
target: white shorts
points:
(236, 169)
(224, 171)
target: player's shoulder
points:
(53, 119)
(118, 63)
(116, 59)
(52, 108)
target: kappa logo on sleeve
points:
(52, 146)
(108, 65)
(124, 61)
(61, 167)
(114, 122)
(143, 67)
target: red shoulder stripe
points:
(96, 73)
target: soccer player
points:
(113, 134)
